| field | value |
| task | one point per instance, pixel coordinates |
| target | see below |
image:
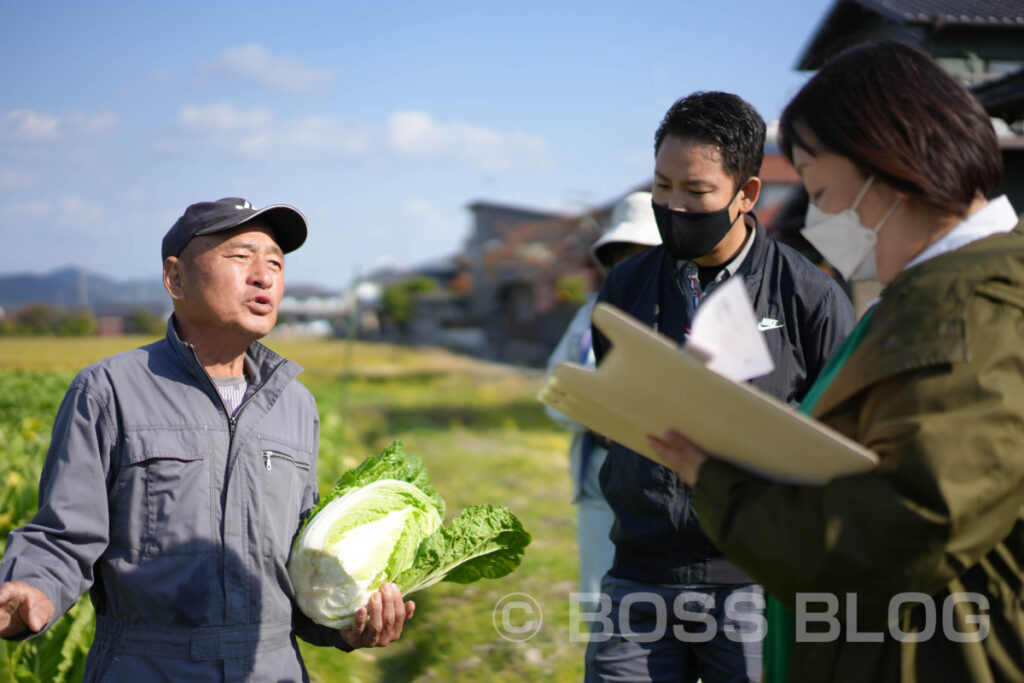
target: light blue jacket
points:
(575, 347)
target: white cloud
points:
(26, 125)
(415, 133)
(75, 212)
(68, 211)
(29, 126)
(16, 179)
(327, 135)
(29, 209)
(278, 72)
(91, 124)
(224, 117)
(256, 133)
(422, 209)
(148, 193)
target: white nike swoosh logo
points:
(769, 324)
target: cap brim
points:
(286, 222)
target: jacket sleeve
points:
(57, 550)
(304, 627)
(606, 294)
(949, 488)
(825, 329)
(568, 350)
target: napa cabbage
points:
(383, 521)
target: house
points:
(976, 40)
(1003, 99)
(441, 318)
(518, 261)
(980, 42)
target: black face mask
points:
(691, 234)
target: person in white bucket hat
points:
(631, 230)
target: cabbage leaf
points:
(483, 542)
(383, 521)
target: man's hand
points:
(680, 454)
(23, 607)
(381, 621)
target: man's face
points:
(688, 176)
(231, 282)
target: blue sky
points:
(381, 121)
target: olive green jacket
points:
(936, 389)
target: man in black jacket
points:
(679, 609)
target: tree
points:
(42, 319)
(142, 321)
(36, 319)
(76, 324)
(397, 298)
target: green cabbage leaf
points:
(383, 521)
(482, 542)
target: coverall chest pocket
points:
(284, 470)
(161, 504)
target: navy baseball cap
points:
(205, 218)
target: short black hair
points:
(721, 120)
(896, 114)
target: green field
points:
(479, 430)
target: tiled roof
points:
(1003, 98)
(950, 12)
(848, 22)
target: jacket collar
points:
(995, 217)
(753, 267)
(258, 357)
(921, 318)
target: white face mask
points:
(843, 240)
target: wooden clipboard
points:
(647, 384)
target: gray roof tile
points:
(951, 12)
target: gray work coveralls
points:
(176, 517)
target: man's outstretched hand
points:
(381, 621)
(23, 607)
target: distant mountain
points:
(72, 287)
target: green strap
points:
(836, 363)
(778, 642)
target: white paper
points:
(726, 329)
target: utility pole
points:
(351, 333)
(83, 293)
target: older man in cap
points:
(178, 474)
